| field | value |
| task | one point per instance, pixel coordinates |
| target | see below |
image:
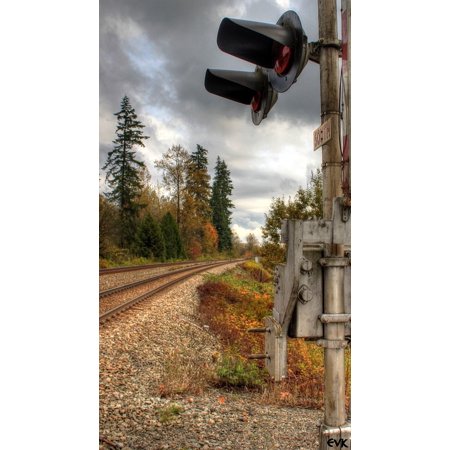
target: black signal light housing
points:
(248, 88)
(282, 47)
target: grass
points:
(168, 413)
(184, 373)
(234, 371)
(239, 299)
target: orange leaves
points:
(210, 238)
(233, 303)
(195, 249)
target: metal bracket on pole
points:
(329, 343)
(259, 356)
(314, 48)
(335, 318)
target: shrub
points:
(233, 371)
(257, 271)
(232, 303)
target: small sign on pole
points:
(322, 134)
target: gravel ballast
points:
(143, 351)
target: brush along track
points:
(116, 300)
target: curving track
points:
(118, 299)
(148, 266)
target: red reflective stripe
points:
(284, 60)
(256, 102)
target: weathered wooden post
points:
(335, 428)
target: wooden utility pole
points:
(334, 427)
(329, 103)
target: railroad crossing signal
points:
(280, 52)
(249, 88)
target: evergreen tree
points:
(174, 246)
(196, 202)
(221, 204)
(197, 184)
(150, 239)
(123, 169)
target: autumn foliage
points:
(210, 238)
(234, 302)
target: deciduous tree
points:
(174, 167)
(307, 204)
(252, 244)
(108, 226)
(210, 239)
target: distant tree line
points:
(190, 220)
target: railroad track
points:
(147, 266)
(113, 303)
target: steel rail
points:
(124, 287)
(118, 309)
(112, 270)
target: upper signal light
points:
(282, 47)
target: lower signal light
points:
(256, 102)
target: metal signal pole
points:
(335, 429)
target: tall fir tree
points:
(122, 170)
(198, 184)
(196, 201)
(221, 204)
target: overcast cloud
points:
(156, 52)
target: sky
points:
(157, 51)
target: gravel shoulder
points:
(140, 356)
